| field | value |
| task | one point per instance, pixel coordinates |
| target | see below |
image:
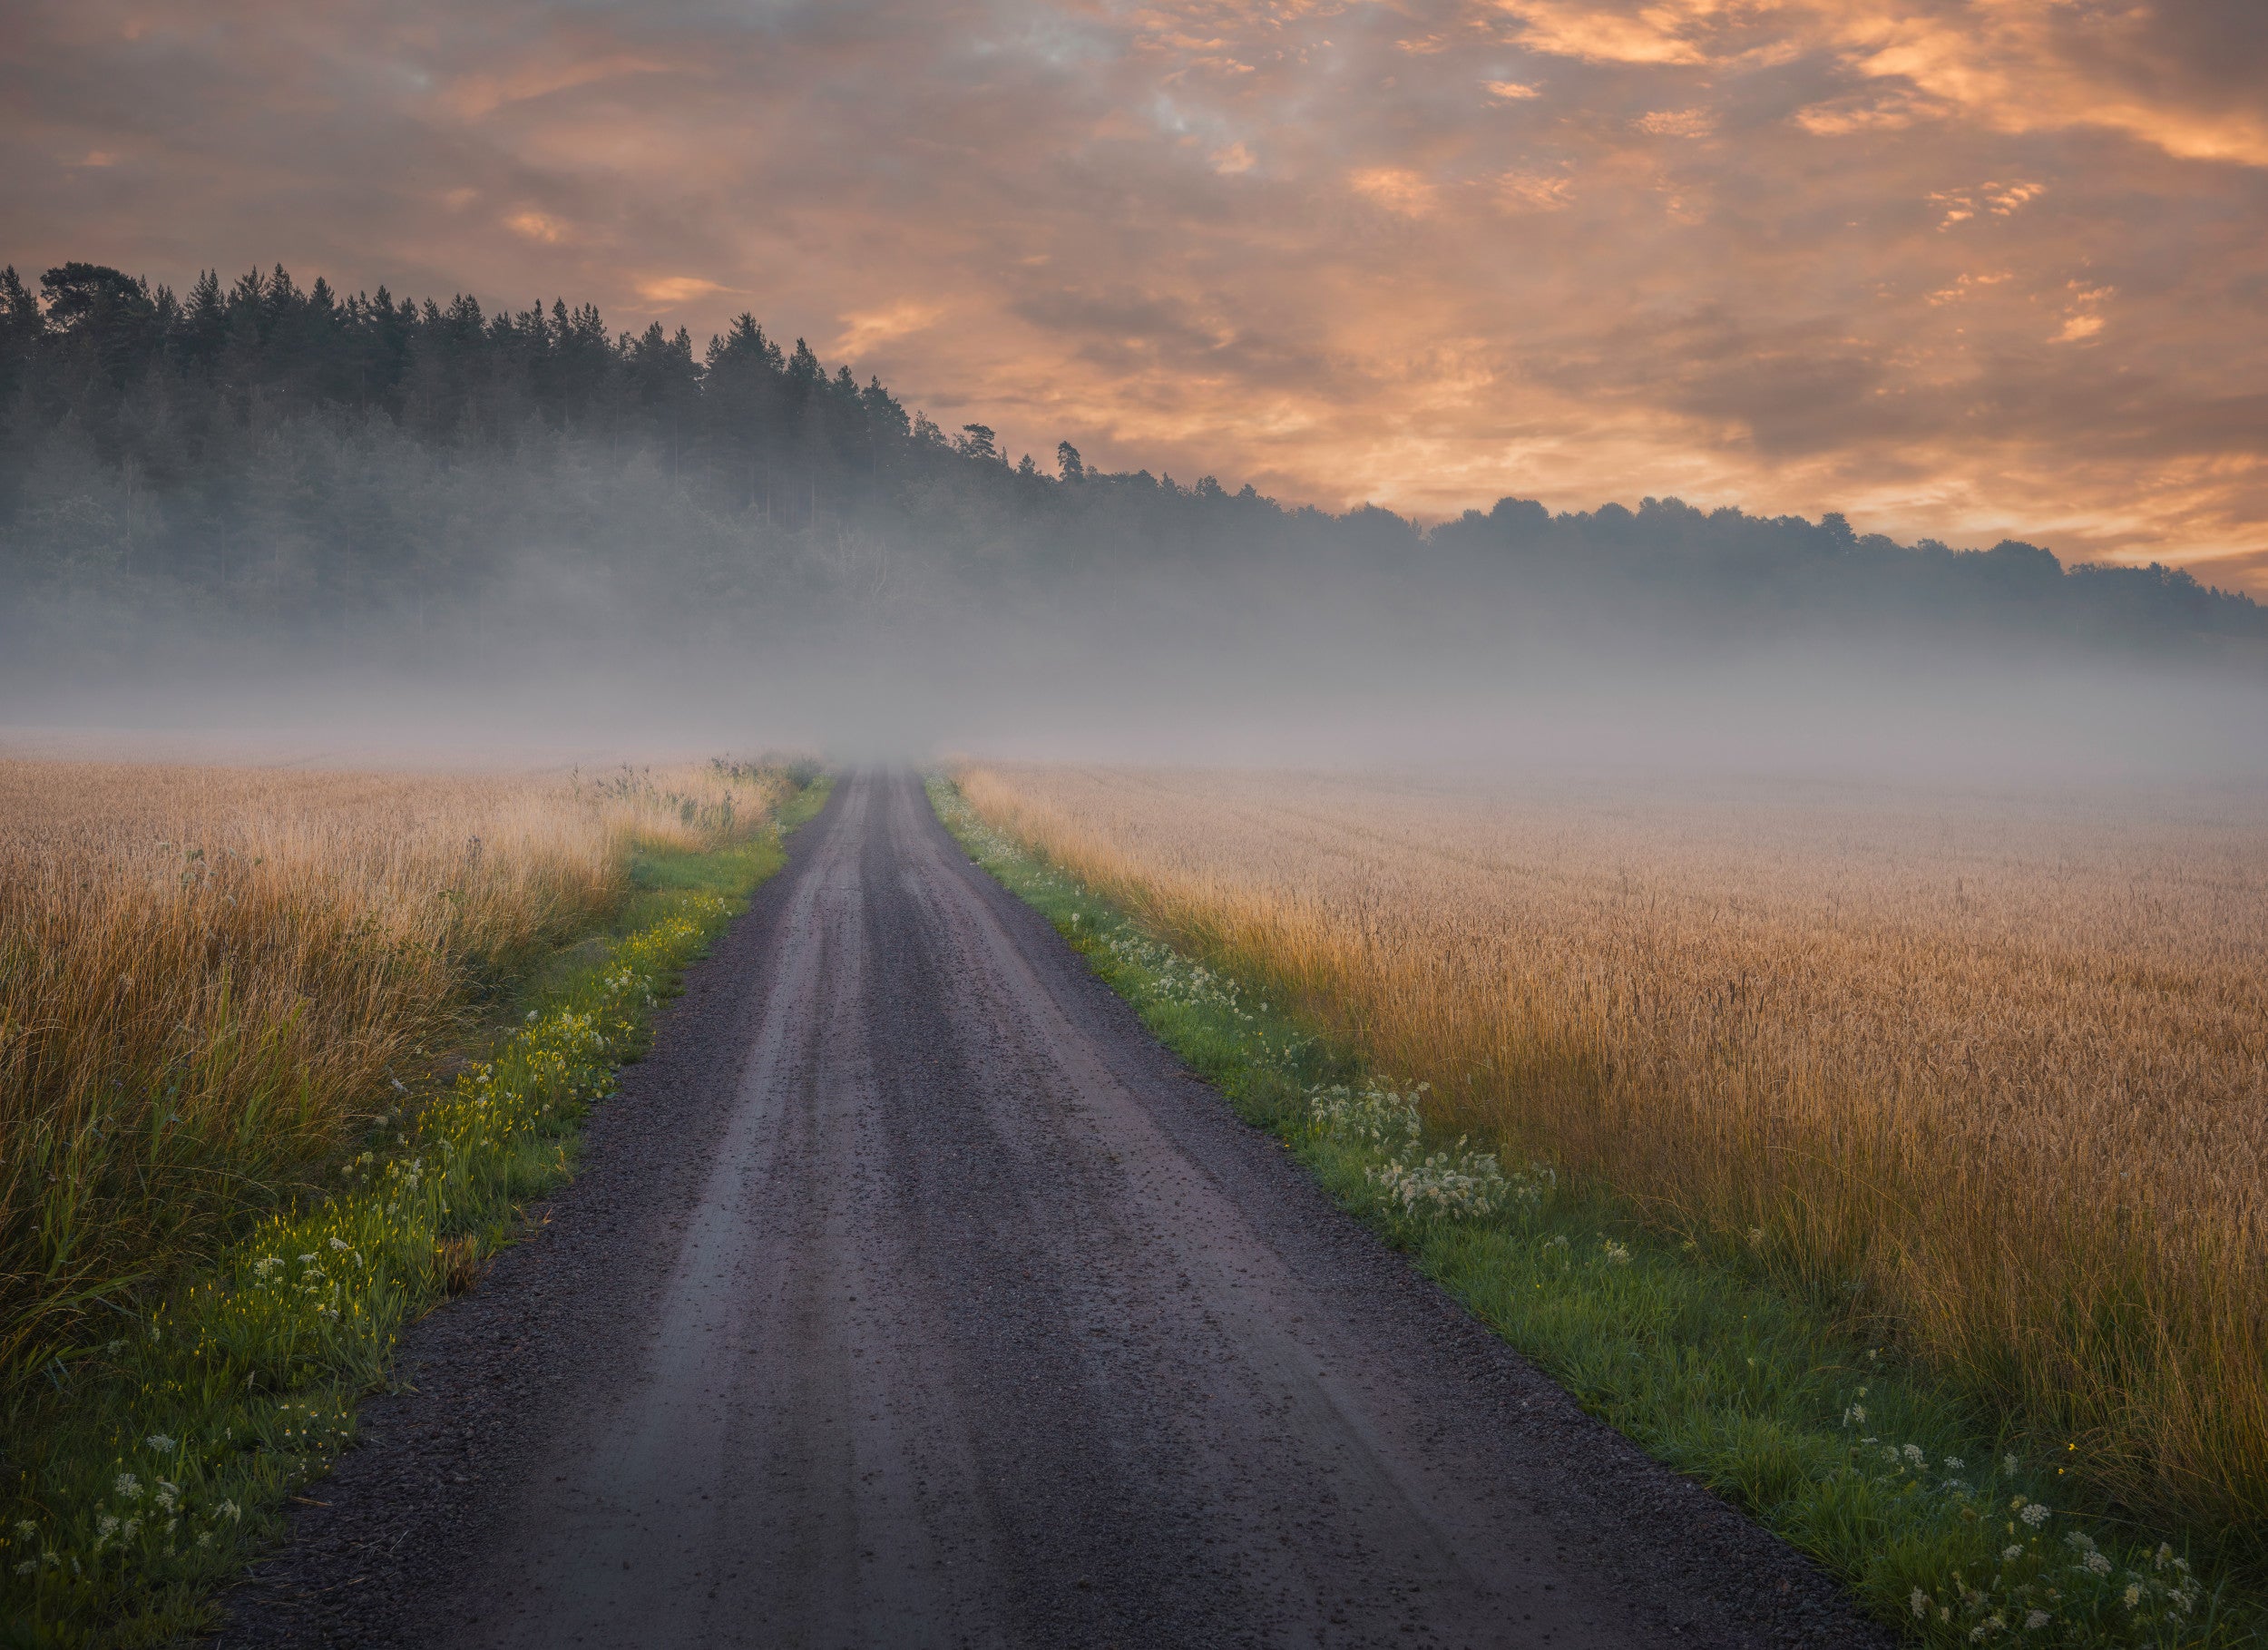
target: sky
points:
(1960, 268)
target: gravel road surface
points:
(911, 1296)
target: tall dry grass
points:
(1994, 1069)
(208, 975)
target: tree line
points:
(255, 458)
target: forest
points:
(260, 465)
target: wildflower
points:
(2009, 1555)
(1616, 1252)
(27, 1566)
(204, 1537)
(25, 1529)
(2098, 1563)
(1920, 1600)
(2009, 1464)
(304, 1258)
(229, 1510)
(1914, 1455)
(338, 1243)
(2132, 1596)
(2035, 1620)
(161, 1443)
(2035, 1514)
(1953, 1463)
(128, 1486)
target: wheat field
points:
(209, 975)
(1989, 1068)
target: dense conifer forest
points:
(256, 459)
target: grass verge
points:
(144, 1480)
(1924, 1507)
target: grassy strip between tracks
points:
(146, 1484)
(1939, 1522)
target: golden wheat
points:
(207, 973)
(1992, 1068)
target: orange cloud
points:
(864, 332)
(671, 291)
(1396, 188)
(536, 226)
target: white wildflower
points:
(2035, 1620)
(1920, 1600)
(1914, 1454)
(2034, 1513)
(2009, 1555)
(161, 1443)
(128, 1486)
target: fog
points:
(1294, 655)
(259, 518)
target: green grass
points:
(1914, 1498)
(142, 1482)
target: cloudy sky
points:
(1959, 267)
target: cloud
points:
(2082, 317)
(536, 226)
(1534, 192)
(863, 332)
(1396, 188)
(1670, 33)
(672, 291)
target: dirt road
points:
(912, 1297)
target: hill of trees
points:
(255, 463)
